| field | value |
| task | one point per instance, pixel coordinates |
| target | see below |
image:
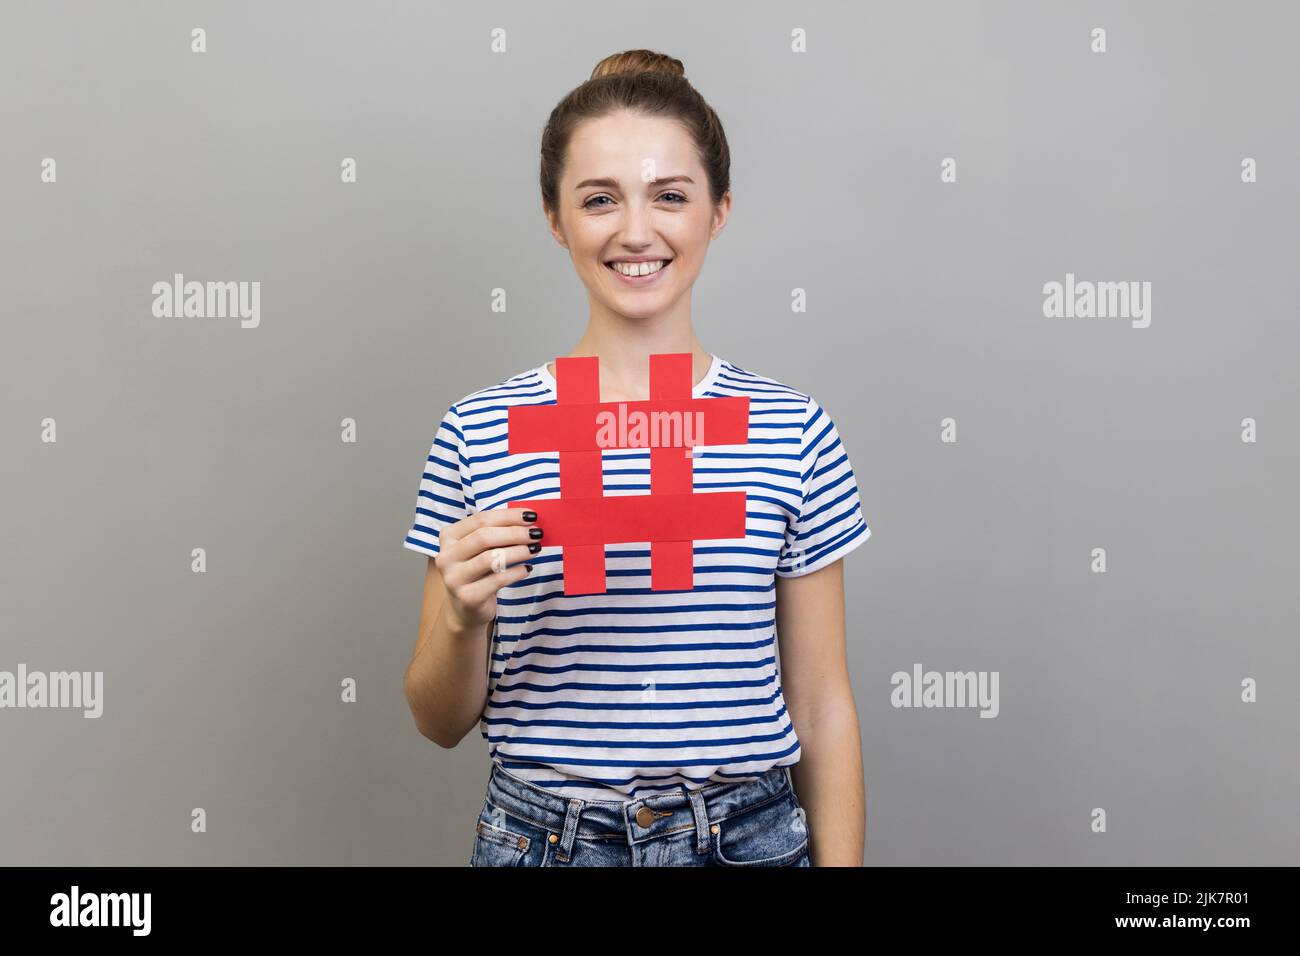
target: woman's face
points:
(633, 187)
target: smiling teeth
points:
(639, 268)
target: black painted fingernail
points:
(534, 532)
(534, 548)
(528, 567)
(530, 515)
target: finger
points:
(493, 561)
(486, 587)
(487, 562)
(494, 536)
(497, 560)
(493, 517)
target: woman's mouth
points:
(639, 273)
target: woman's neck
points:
(625, 360)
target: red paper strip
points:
(581, 474)
(615, 518)
(672, 563)
(664, 423)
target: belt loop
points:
(565, 848)
(702, 839)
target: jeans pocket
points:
(772, 834)
(494, 846)
(501, 839)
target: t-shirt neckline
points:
(715, 366)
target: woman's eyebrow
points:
(607, 183)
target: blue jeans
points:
(751, 823)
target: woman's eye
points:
(589, 204)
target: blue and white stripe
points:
(619, 695)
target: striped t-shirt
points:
(619, 695)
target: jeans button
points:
(645, 816)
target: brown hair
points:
(646, 82)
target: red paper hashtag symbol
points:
(672, 517)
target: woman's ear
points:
(721, 212)
(553, 223)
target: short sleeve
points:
(830, 523)
(444, 496)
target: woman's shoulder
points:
(733, 379)
(523, 387)
(780, 400)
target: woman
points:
(644, 727)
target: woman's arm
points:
(446, 680)
(819, 697)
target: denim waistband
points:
(635, 821)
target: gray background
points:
(1118, 690)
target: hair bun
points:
(638, 61)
